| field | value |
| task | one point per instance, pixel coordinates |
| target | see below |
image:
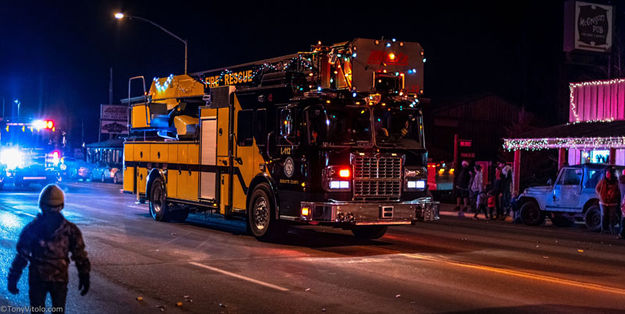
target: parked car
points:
(104, 173)
(572, 198)
(75, 169)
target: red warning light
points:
(344, 173)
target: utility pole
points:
(110, 85)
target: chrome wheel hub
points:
(261, 213)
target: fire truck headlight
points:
(418, 185)
(12, 158)
(415, 179)
(336, 185)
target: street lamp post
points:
(120, 16)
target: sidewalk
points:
(447, 209)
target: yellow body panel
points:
(172, 183)
(172, 153)
(208, 112)
(129, 179)
(193, 183)
(183, 153)
(129, 152)
(159, 153)
(188, 185)
(182, 183)
(222, 131)
(142, 175)
(223, 202)
(140, 116)
(194, 153)
(141, 152)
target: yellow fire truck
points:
(332, 136)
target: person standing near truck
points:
(621, 185)
(461, 186)
(609, 200)
(477, 186)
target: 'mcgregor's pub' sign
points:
(588, 26)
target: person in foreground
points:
(45, 243)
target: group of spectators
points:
(493, 200)
(611, 193)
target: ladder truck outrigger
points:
(332, 136)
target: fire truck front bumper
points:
(368, 213)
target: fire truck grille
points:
(377, 178)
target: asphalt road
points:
(210, 266)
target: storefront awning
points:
(583, 135)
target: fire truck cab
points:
(333, 136)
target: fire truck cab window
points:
(288, 133)
(260, 126)
(318, 125)
(286, 122)
(245, 127)
(397, 126)
(341, 124)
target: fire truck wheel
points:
(369, 232)
(158, 201)
(261, 215)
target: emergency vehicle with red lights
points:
(28, 153)
(332, 136)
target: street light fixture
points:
(120, 16)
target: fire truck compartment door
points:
(223, 129)
(208, 157)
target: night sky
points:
(56, 59)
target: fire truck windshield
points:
(397, 126)
(340, 125)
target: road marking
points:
(227, 273)
(522, 274)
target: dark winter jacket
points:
(46, 243)
(463, 180)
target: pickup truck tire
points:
(369, 232)
(262, 222)
(592, 218)
(159, 209)
(531, 214)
